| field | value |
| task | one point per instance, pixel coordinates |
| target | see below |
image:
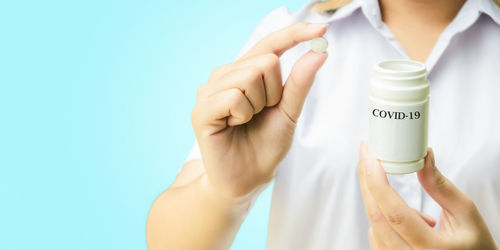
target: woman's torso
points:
(316, 200)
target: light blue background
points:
(95, 101)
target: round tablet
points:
(319, 44)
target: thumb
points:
(299, 82)
(445, 193)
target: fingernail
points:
(316, 26)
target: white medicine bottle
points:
(398, 118)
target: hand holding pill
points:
(245, 117)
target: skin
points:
(394, 225)
(417, 25)
(244, 121)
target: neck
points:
(437, 13)
(417, 24)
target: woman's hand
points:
(394, 225)
(245, 118)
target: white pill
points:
(319, 44)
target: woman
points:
(248, 132)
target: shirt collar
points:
(371, 10)
(339, 14)
(489, 8)
(466, 17)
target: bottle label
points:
(396, 115)
(398, 133)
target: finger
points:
(269, 67)
(373, 241)
(427, 218)
(248, 80)
(229, 107)
(372, 211)
(384, 235)
(441, 189)
(284, 39)
(398, 214)
(299, 82)
(259, 77)
(380, 241)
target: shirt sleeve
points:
(275, 20)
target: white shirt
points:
(317, 203)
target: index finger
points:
(280, 41)
(381, 231)
(399, 215)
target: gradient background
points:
(95, 101)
